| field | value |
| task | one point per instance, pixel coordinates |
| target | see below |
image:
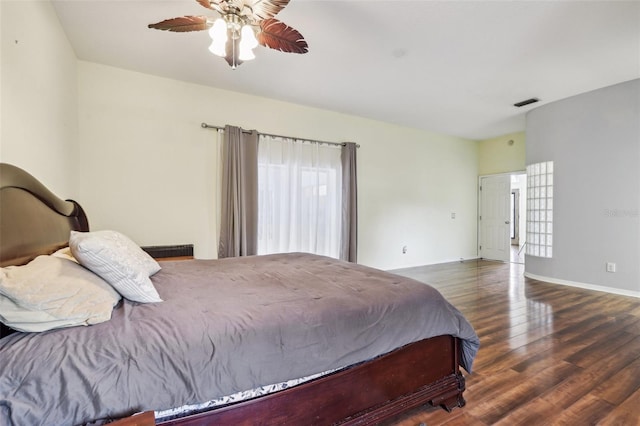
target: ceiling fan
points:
(243, 24)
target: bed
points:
(303, 339)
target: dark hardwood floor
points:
(549, 355)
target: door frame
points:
(479, 208)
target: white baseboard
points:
(439, 262)
(605, 289)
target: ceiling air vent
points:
(526, 102)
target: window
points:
(540, 209)
(299, 197)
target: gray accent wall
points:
(594, 141)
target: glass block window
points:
(540, 209)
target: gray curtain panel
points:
(349, 240)
(239, 195)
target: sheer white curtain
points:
(299, 196)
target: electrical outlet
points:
(611, 267)
(404, 249)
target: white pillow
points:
(119, 261)
(50, 292)
(22, 319)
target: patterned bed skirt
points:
(185, 410)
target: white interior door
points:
(494, 220)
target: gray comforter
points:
(224, 326)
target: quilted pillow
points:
(50, 292)
(119, 261)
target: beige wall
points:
(38, 95)
(148, 168)
(498, 155)
(130, 148)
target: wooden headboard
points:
(33, 220)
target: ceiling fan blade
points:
(279, 36)
(182, 24)
(205, 3)
(265, 9)
(211, 4)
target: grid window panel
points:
(540, 209)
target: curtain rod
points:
(210, 126)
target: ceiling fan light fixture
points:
(218, 48)
(246, 54)
(248, 37)
(219, 29)
(248, 42)
(218, 34)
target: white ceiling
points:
(455, 67)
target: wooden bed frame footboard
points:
(425, 372)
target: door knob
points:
(506, 222)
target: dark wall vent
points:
(169, 251)
(526, 102)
